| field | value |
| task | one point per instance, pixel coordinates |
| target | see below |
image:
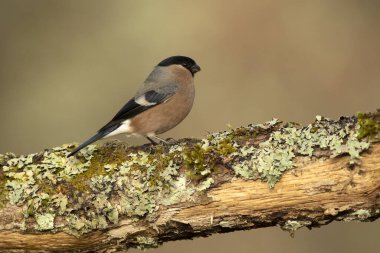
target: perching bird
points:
(161, 103)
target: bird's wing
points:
(142, 103)
(133, 107)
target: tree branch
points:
(113, 197)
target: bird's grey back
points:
(161, 79)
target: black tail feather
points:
(94, 138)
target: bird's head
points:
(183, 61)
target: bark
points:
(115, 197)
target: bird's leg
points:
(151, 140)
(159, 139)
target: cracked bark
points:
(316, 192)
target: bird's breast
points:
(167, 115)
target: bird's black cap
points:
(184, 61)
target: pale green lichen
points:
(60, 201)
(24, 176)
(45, 221)
(182, 192)
(139, 183)
(354, 148)
(361, 215)
(78, 225)
(226, 224)
(272, 157)
(22, 226)
(293, 225)
(146, 242)
(204, 185)
(100, 185)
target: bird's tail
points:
(94, 138)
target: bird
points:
(163, 100)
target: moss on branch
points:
(104, 183)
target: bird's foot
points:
(159, 140)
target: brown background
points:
(67, 66)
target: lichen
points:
(78, 225)
(146, 242)
(354, 148)
(204, 185)
(45, 221)
(226, 224)
(100, 185)
(271, 158)
(361, 215)
(92, 191)
(293, 225)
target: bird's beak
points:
(195, 68)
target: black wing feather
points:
(94, 138)
(131, 108)
(156, 97)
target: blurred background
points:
(66, 67)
